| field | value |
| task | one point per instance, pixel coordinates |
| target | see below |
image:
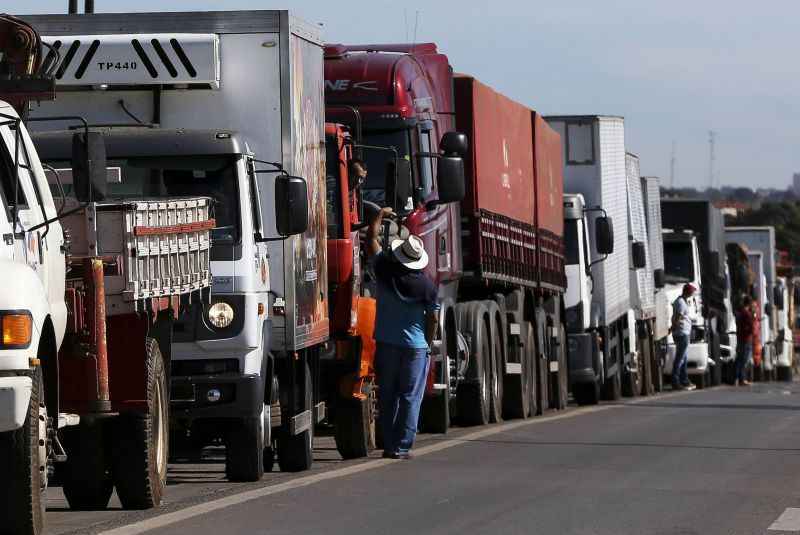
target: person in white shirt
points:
(681, 330)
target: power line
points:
(712, 141)
(673, 158)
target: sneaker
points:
(406, 456)
(745, 382)
(689, 386)
(391, 455)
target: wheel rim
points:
(161, 432)
(42, 447)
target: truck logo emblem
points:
(347, 85)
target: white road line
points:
(788, 521)
(168, 519)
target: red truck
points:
(497, 256)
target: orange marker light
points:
(17, 329)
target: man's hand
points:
(374, 232)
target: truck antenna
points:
(672, 160)
(712, 140)
(416, 25)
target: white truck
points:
(784, 342)
(220, 104)
(652, 203)
(642, 283)
(600, 318)
(762, 240)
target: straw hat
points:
(410, 252)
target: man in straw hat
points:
(406, 319)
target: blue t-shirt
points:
(404, 297)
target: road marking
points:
(168, 519)
(788, 521)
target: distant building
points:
(731, 208)
(796, 184)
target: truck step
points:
(68, 420)
(513, 368)
(514, 329)
(439, 386)
(300, 423)
(320, 411)
(553, 366)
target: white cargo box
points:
(652, 205)
(594, 156)
(159, 248)
(642, 283)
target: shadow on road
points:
(740, 406)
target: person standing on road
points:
(745, 327)
(681, 330)
(406, 319)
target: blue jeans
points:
(402, 373)
(679, 374)
(743, 353)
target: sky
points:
(675, 70)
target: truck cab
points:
(585, 348)
(682, 266)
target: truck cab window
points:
(376, 160)
(425, 164)
(571, 242)
(333, 194)
(8, 178)
(678, 262)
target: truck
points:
(694, 252)
(651, 189)
(642, 283)
(229, 105)
(784, 345)
(762, 240)
(497, 256)
(601, 321)
(88, 322)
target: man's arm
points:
(431, 322)
(374, 232)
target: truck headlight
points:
(17, 328)
(220, 315)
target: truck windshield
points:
(376, 160)
(571, 242)
(181, 176)
(678, 262)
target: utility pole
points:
(712, 140)
(672, 161)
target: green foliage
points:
(785, 217)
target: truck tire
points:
(531, 357)
(516, 387)
(700, 381)
(648, 361)
(542, 362)
(296, 452)
(23, 469)
(244, 450)
(612, 388)
(658, 369)
(559, 381)
(141, 441)
(85, 476)
(785, 373)
(632, 381)
(498, 366)
(473, 395)
(586, 393)
(354, 427)
(434, 416)
(716, 374)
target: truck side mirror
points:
(778, 297)
(714, 262)
(638, 255)
(291, 205)
(398, 184)
(450, 174)
(604, 235)
(89, 166)
(454, 143)
(659, 278)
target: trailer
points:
(229, 105)
(601, 306)
(652, 204)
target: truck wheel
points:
(559, 381)
(716, 374)
(785, 373)
(516, 387)
(700, 381)
(141, 441)
(355, 427)
(296, 452)
(435, 412)
(648, 361)
(542, 362)
(632, 383)
(23, 469)
(473, 396)
(658, 371)
(244, 450)
(498, 371)
(85, 476)
(586, 393)
(612, 388)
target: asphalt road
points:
(719, 461)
